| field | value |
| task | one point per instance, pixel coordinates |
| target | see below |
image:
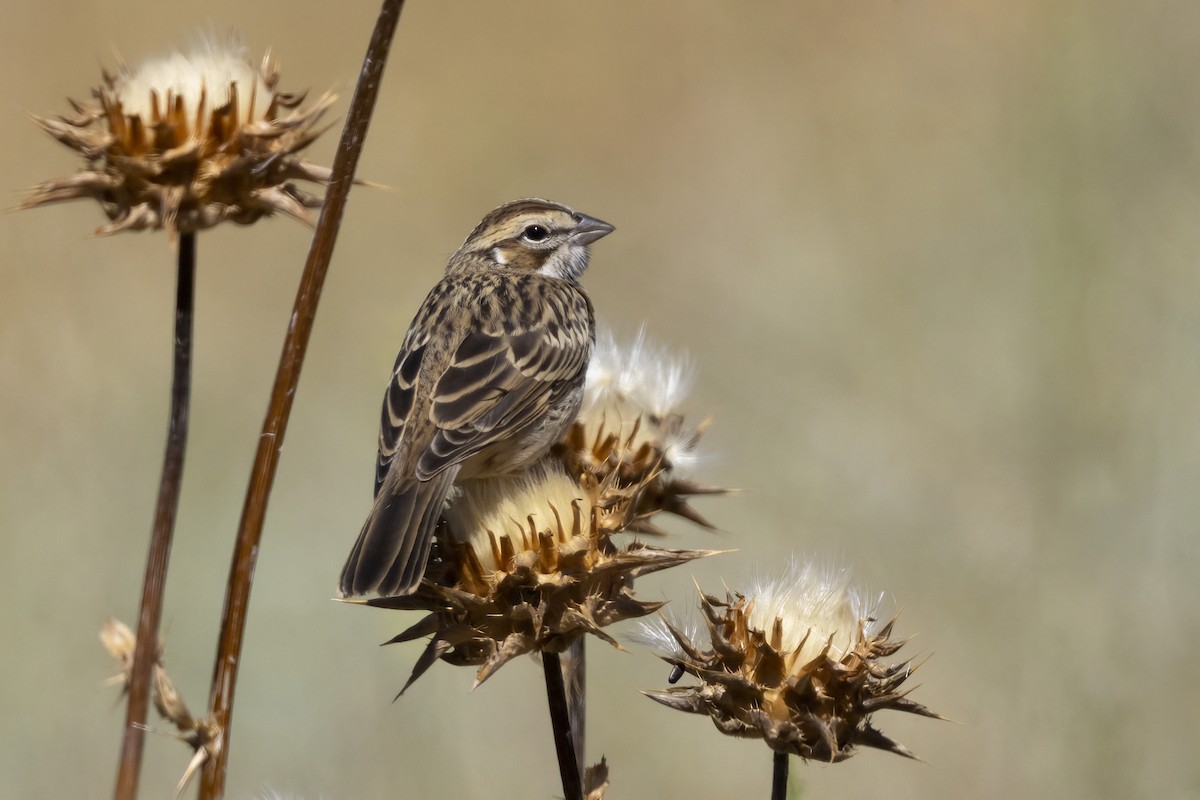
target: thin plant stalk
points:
(295, 344)
(574, 669)
(159, 555)
(560, 721)
(779, 778)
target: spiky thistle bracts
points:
(185, 142)
(501, 586)
(801, 664)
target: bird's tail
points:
(391, 552)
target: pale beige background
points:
(937, 263)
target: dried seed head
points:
(632, 438)
(635, 393)
(800, 663)
(185, 142)
(525, 564)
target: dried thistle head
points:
(185, 142)
(524, 564)
(800, 663)
(632, 438)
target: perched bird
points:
(490, 375)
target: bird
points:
(489, 376)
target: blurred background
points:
(935, 263)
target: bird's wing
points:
(492, 381)
(398, 400)
(472, 371)
(500, 381)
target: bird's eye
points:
(536, 233)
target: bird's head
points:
(535, 236)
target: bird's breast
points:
(520, 452)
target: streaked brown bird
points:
(490, 375)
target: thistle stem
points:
(560, 721)
(295, 344)
(574, 669)
(779, 780)
(154, 582)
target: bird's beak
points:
(589, 229)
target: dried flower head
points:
(528, 562)
(185, 142)
(632, 437)
(799, 662)
(525, 564)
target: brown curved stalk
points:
(241, 573)
(154, 582)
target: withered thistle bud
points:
(201, 734)
(121, 642)
(185, 142)
(800, 663)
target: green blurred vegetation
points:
(936, 263)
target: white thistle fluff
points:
(642, 381)
(655, 635)
(269, 793)
(211, 65)
(813, 598)
(817, 599)
(503, 506)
